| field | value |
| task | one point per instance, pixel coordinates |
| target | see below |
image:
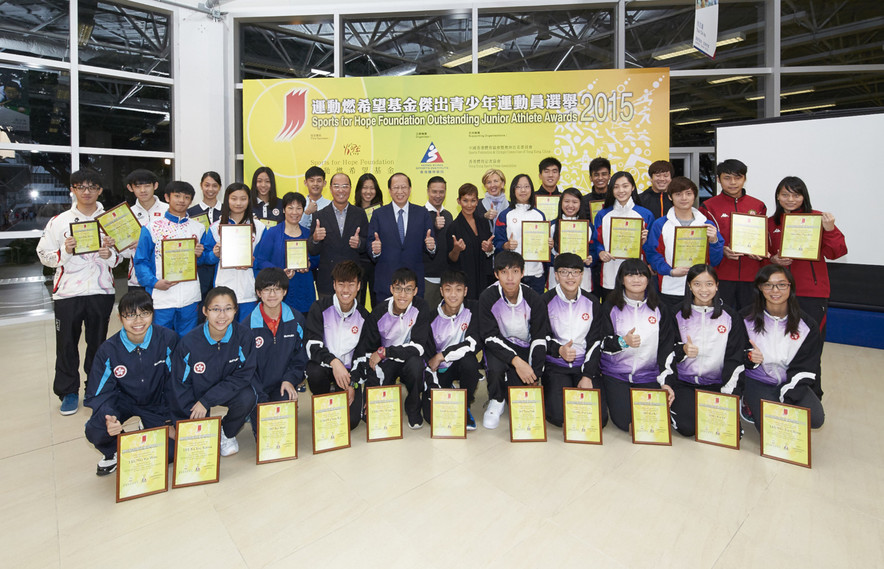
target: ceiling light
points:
(784, 94)
(808, 108)
(685, 48)
(457, 59)
(679, 109)
(698, 121)
(741, 78)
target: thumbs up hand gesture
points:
(376, 245)
(632, 339)
(512, 244)
(488, 245)
(318, 233)
(568, 352)
(690, 349)
(114, 427)
(354, 240)
(458, 244)
(429, 241)
(440, 221)
(755, 355)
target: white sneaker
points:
(228, 446)
(492, 414)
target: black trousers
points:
(321, 381)
(206, 276)
(816, 308)
(555, 379)
(238, 408)
(410, 374)
(501, 374)
(618, 399)
(671, 301)
(96, 426)
(736, 294)
(465, 370)
(803, 396)
(71, 315)
(683, 410)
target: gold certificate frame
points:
(650, 417)
(690, 246)
(331, 422)
(716, 421)
(535, 241)
(383, 417)
(527, 414)
(121, 225)
(448, 413)
(785, 433)
(802, 236)
(203, 219)
(179, 259)
(277, 432)
(87, 235)
(142, 463)
(583, 416)
(236, 246)
(296, 254)
(625, 237)
(595, 206)
(573, 237)
(548, 205)
(748, 234)
(197, 452)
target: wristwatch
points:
(622, 342)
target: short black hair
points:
(141, 176)
(85, 175)
(346, 271)
(313, 171)
(390, 179)
(599, 163)
(633, 267)
(293, 197)
(271, 276)
(436, 180)
(568, 261)
(403, 275)
(731, 166)
(452, 277)
(219, 291)
(179, 187)
(682, 184)
(508, 259)
(547, 162)
(660, 166)
(135, 301)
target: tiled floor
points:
(419, 502)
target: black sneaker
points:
(107, 466)
(746, 413)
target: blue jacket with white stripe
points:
(280, 357)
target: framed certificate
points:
(527, 414)
(142, 463)
(236, 246)
(625, 237)
(717, 422)
(197, 452)
(748, 234)
(268, 223)
(121, 225)
(535, 241)
(179, 259)
(690, 246)
(785, 433)
(331, 422)
(383, 418)
(549, 205)
(650, 417)
(203, 219)
(583, 416)
(87, 235)
(277, 432)
(296, 254)
(448, 413)
(802, 236)
(370, 210)
(595, 206)
(573, 237)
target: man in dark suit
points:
(399, 234)
(338, 233)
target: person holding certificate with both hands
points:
(811, 277)
(508, 229)
(637, 338)
(671, 250)
(569, 210)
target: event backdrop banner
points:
(457, 126)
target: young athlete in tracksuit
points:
(399, 339)
(147, 207)
(214, 365)
(455, 344)
(709, 347)
(784, 348)
(637, 337)
(336, 340)
(574, 341)
(128, 378)
(514, 325)
(280, 350)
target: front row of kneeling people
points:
(563, 338)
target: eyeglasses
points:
(82, 188)
(767, 287)
(340, 186)
(569, 273)
(272, 290)
(137, 316)
(403, 289)
(218, 311)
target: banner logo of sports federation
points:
(432, 155)
(295, 105)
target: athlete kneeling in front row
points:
(214, 365)
(128, 378)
